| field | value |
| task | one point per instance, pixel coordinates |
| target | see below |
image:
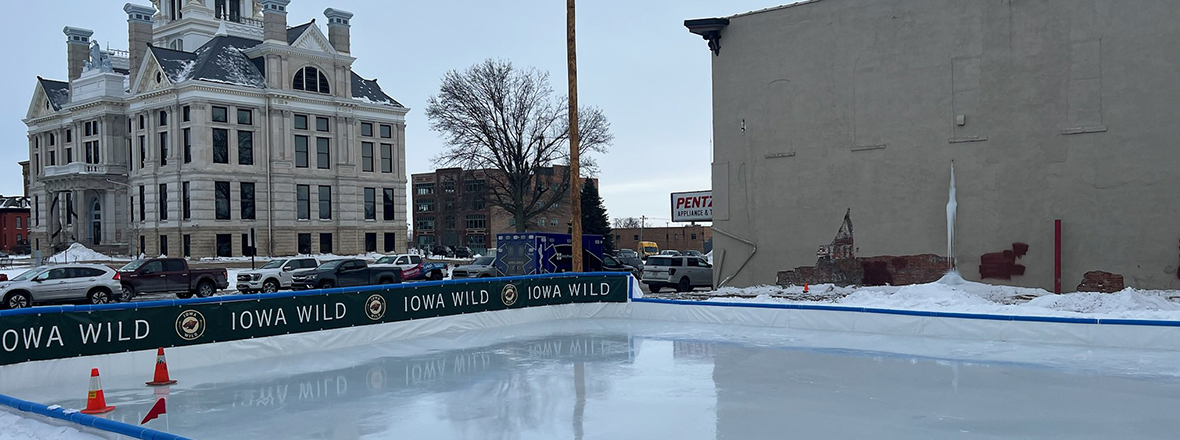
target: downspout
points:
(753, 250)
(179, 177)
(270, 200)
(753, 246)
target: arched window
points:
(310, 79)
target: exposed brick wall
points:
(837, 264)
(1002, 265)
(869, 271)
(1099, 281)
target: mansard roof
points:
(57, 91)
(221, 61)
(367, 90)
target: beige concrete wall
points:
(1069, 114)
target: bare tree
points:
(496, 117)
(626, 222)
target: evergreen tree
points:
(594, 218)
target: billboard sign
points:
(696, 206)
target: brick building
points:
(680, 238)
(450, 208)
(14, 224)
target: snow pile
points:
(15, 427)
(933, 296)
(1128, 303)
(953, 294)
(78, 252)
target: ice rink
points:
(613, 379)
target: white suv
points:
(274, 275)
(683, 273)
(92, 283)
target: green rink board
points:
(65, 332)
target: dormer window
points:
(310, 79)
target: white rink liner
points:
(1132, 351)
(142, 363)
(627, 378)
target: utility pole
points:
(575, 170)
(642, 221)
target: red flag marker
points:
(157, 409)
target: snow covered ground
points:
(953, 294)
(25, 427)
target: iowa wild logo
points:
(190, 325)
(375, 307)
(509, 295)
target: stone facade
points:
(200, 153)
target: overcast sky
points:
(636, 61)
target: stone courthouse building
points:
(1049, 110)
(220, 121)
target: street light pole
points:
(575, 169)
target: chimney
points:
(139, 34)
(274, 20)
(338, 28)
(77, 49)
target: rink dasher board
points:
(1136, 334)
(59, 332)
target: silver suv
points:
(482, 267)
(92, 283)
(683, 273)
(274, 275)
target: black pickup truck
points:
(344, 273)
(170, 275)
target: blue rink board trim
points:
(932, 314)
(89, 420)
(289, 294)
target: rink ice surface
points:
(611, 379)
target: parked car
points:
(170, 275)
(462, 252)
(274, 275)
(612, 264)
(683, 273)
(670, 253)
(648, 248)
(349, 272)
(413, 267)
(442, 251)
(482, 267)
(92, 283)
(631, 259)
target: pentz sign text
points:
(696, 206)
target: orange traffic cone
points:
(161, 377)
(805, 289)
(96, 403)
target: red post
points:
(1057, 256)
